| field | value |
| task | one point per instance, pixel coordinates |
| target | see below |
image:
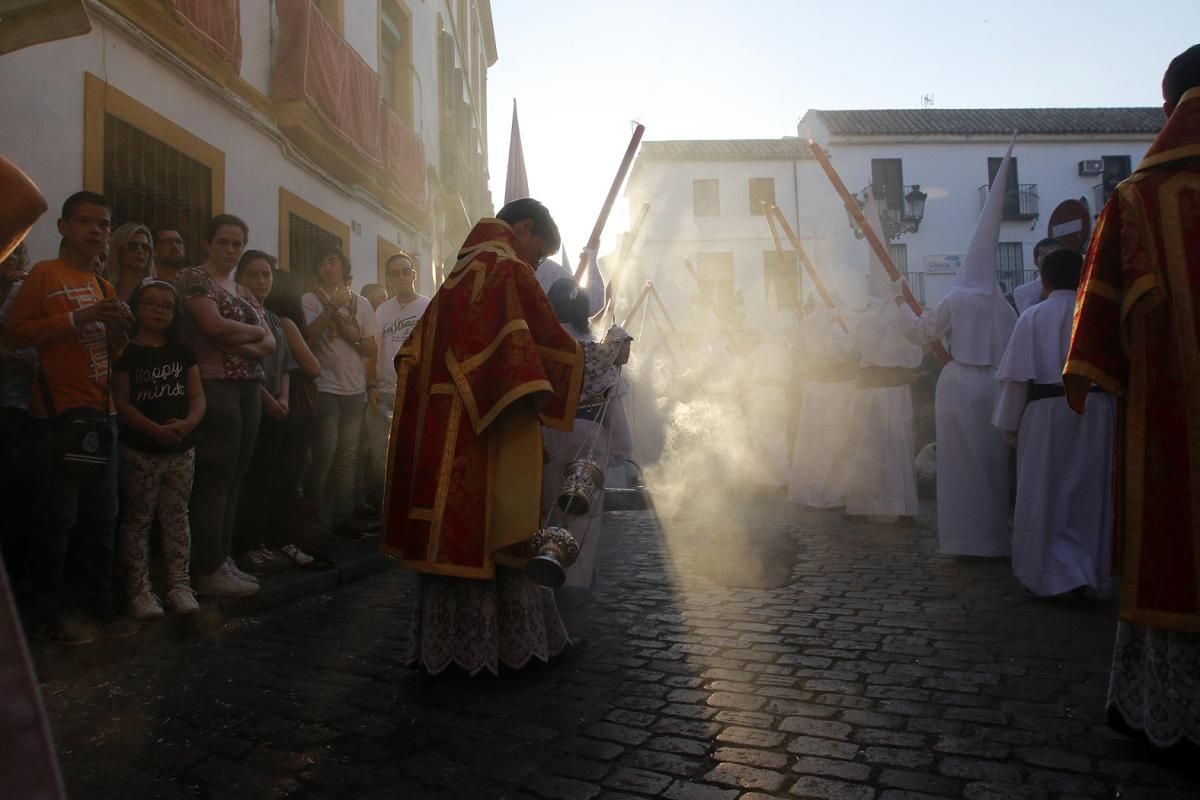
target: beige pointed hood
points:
(978, 272)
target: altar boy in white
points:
(1062, 526)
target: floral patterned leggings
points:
(156, 483)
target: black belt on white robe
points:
(1048, 391)
(884, 377)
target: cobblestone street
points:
(878, 670)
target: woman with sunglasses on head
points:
(130, 260)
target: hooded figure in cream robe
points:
(767, 400)
(974, 320)
(1062, 525)
(820, 470)
(883, 481)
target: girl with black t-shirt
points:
(160, 401)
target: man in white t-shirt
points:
(342, 330)
(397, 316)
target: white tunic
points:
(766, 407)
(1062, 526)
(821, 456)
(972, 458)
(883, 482)
(1028, 294)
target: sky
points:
(582, 70)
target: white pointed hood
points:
(981, 319)
(978, 272)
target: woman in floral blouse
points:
(229, 337)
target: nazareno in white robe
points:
(1062, 525)
(766, 407)
(820, 468)
(883, 481)
(972, 458)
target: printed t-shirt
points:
(342, 370)
(396, 321)
(74, 358)
(158, 389)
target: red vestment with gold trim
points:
(487, 365)
(1136, 334)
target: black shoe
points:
(577, 646)
(67, 634)
(346, 531)
(120, 628)
(367, 511)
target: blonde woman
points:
(130, 258)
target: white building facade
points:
(704, 200)
(322, 123)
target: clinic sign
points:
(943, 265)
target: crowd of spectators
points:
(176, 426)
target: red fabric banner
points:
(404, 156)
(217, 23)
(317, 65)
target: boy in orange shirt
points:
(78, 326)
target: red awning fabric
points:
(404, 156)
(317, 65)
(217, 23)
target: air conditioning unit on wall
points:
(1091, 166)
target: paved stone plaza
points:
(879, 670)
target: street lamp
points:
(896, 221)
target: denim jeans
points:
(78, 516)
(335, 456)
(372, 459)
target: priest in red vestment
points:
(1137, 336)
(485, 367)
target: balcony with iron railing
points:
(1020, 203)
(916, 282)
(325, 96)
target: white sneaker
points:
(182, 600)
(301, 558)
(238, 573)
(145, 606)
(223, 583)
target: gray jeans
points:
(224, 444)
(335, 456)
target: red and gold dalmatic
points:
(1137, 325)
(486, 366)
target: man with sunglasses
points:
(396, 316)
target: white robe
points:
(883, 482)
(820, 470)
(972, 458)
(1062, 525)
(766, 407)
(1028, 294)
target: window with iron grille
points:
(148, 181)
(1010, 265)
(307, 242)
(782, 276)
(899, 254)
